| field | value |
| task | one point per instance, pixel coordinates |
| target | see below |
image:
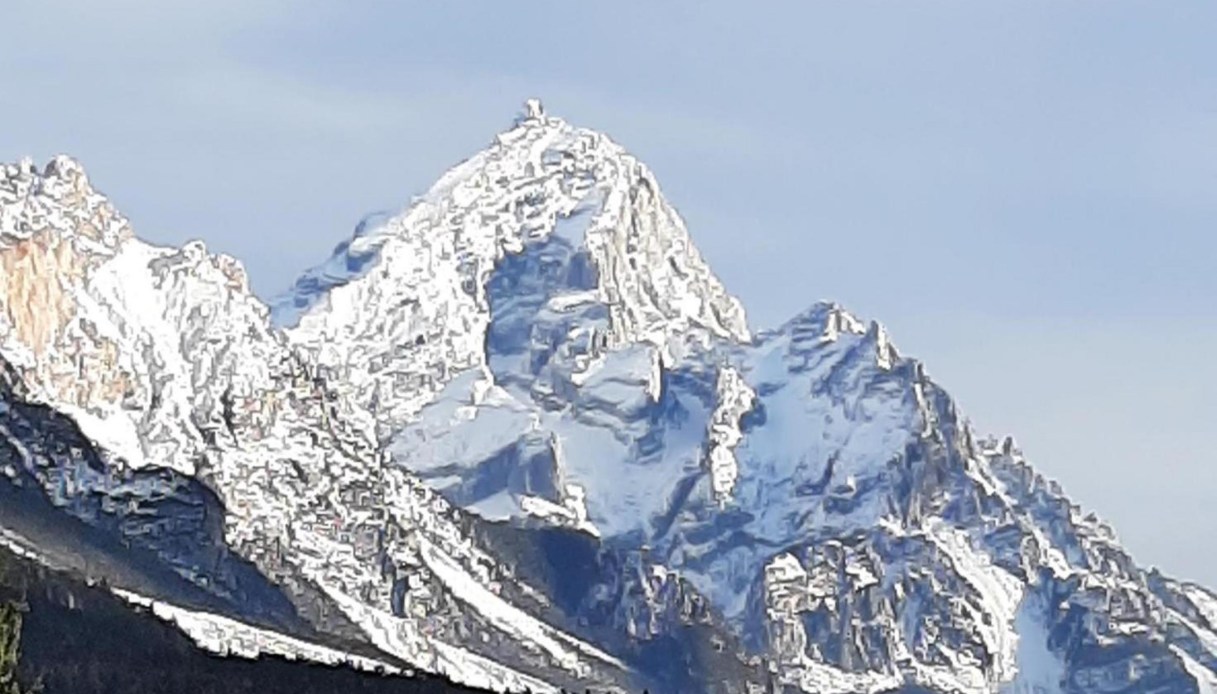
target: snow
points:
(1000, 593)
(224, 636)
(441, 251)
(467, 423)
(1040, 671)
(18, 545)
(806, 438)
(533, 108)
(625, 494)
(573, 513)
(1204, 601)
(114, 432)
(536, 337)
(1206, 681)
(884, 352)
(811, 676)
(566, 302)
(735, 399)
(507, 617)
(395, 635)
(785, 582)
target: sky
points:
(1024, 193)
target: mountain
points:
(519, 435)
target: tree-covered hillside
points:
(61, 636)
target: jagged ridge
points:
(537, 339)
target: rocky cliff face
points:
(519, 434)
(176, 400)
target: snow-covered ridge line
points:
(224, 636)
(538, 339)
(393, 634)
(542, 182)
(840, 430)
(508, 617)
(196, 380)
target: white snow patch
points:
(229, 637)
(1040, 671)
(1206, 680)
(1204, 601)
(400, 637)
(1000, 594)
(507, 617)
(573, 512)
(735, 399)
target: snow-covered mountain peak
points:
(56, 231)
(145, 394)
(550, 219)
(536, 340)
(60, 200)
(120, 334)
(812, 484)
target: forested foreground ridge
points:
(59, 635)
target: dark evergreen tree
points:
(10, 647)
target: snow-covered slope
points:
(133, 373)
(680, 503)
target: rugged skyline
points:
(520, 435)
(1055, 161)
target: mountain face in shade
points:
(519, 435)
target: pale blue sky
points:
(1024, 192)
